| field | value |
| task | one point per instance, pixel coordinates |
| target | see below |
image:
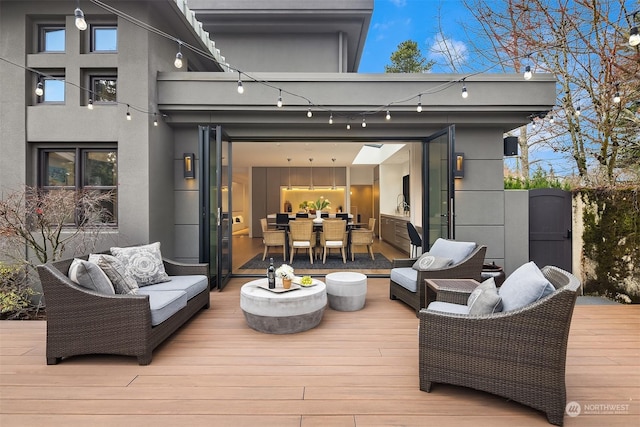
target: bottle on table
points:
(271, 274)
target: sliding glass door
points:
(438, 194)
(216, 221)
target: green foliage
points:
(16, 297)
(539, 180)
(612, 242)
(408, 59)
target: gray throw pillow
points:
(115, 271)
(525, 285)
(90, 276)
(485, 299)
(428, 261)
(144, 263)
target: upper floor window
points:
(79, 169)
(52, 38)
(104, 89)
(53, 89)
(104, 38)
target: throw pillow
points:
(485, 299)
(115, 271)
(144, 263)
(525, 285)
(428, 261)
(90, 276)
(455, 250)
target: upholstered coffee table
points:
(282, 312)
(457, 290)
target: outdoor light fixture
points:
(331, 118)
(128, 113)
(634, 37)
(364, 122)
(81, 24)
(39, 89)
(279, 103)
(465, 94)
(188, 160)
(90, 104)
(311, 173)
(240, 87)
(616, 97)
(419, 107)
(178, 62)
(348, 126)
(578, 112)
(551, 119)
(155, 119)
(458, 167)
(388, 116)
(527, 73)
(309, 113)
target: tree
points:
(408, 59)
(583, 44)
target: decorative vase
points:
(286, 283)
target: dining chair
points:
(282, 220)
(272, 238)
(343, 216)
(372, 226)
(333, 236)
(301, 236)
(361, 237)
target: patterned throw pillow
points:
(428, 261)
(144, 263)
(90, 276)
(115, 271)
(485, 299)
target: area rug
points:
(362, 261)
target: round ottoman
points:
(346, 290)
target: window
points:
(104, 38)
(52, 38)
(78, 169)
(53, 89)
(104, 89)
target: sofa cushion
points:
(164, 304)
(453, 249)
(192, 285)
(90, 276)
(144, 263)
(406, 277)
(525, 285)
(123, 282)
(428, 261)
(485, 299)
(447, 307)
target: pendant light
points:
(333, 187)
(311, 173)
(289, 163)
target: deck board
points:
(355, 369)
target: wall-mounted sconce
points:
(188, 164)
(458, 166)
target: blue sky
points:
(427, 22)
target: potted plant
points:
(320, 204)
(285, 272)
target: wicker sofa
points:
(81, 321)
(518, 354)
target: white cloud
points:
(448, 52)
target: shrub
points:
(16, 296)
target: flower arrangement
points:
(320, 204)
(285, 272)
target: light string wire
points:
(349, 116)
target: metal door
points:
(550, 227)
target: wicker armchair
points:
(301, 236)
(519, 354)
(333, 236)
(360, 237)
(468, 268)
(273, 238)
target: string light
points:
(465, 94)
(128, 113)
(364, 122)
(178, 62)
(616, 97)
(240, 87)
(81, 24)
(39, 89)
(309, 113)
(551, 119)
(388, 116)
(634, 37)
(90, 104)
(348, 126)
(527, 73)
(578, 111)
(331, 119)
(419, 107)
(155, 119)
(279, 103)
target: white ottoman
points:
(346, 290)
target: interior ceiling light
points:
(81, 24)
(289, 163)
(90, 104)
(419, 107)
(39, 89)
(279, 103)
(333, 187)
(311, 173)
(240, 87)
(178, 62)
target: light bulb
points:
(465, 94)
(81, 24)
(331, 119)
(527, 73)
(90, 104)
(128, 113)
(551, 120)
(388, 116)
(348, 126)
(39, 89)
(178, 62)
(309, 113)
(155, 119)
(616, 98)
(240, 87)
(578, 110)
(364, 123)
(634, 37)
(419, 107)
(279, 103)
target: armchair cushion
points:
(455, 250)
(525, 285)
(485, 299)
(113, 268)
(144, 263)
(407, 277)
(90, 276)
(447, 307)
(428, 261)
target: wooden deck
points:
(355, 369)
